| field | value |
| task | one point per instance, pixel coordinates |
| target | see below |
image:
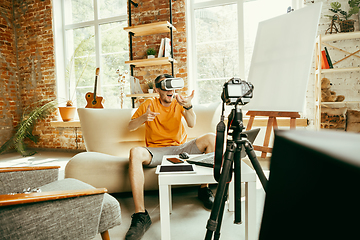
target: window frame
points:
(60, 29)
(191, 34)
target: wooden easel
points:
(272, 123)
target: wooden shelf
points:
(150, 28)
(340, 36)
(321, 42)
(70, 124)
(340, 103)
(338, 70)
(151, 62)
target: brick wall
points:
(27, 68)
(36, 61)
(10, 108)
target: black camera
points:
(237, 91)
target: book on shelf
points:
(328, 58)
(135, 87)
(167, 50)
(161, 49)
(324, 61)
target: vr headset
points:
(170, 84)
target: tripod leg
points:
(255, 162)
(221, 213)
(237, 190)
(220, 192)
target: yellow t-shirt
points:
(167, 128)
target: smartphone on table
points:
(175, 160)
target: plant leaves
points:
(335, 5)
(26, 125)
(7, 145)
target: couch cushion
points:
(103, 170)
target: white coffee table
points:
(205, 175)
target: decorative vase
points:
(347, 25)
(150, 90)
(151, 56)
(67, 113)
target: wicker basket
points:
(347, 25)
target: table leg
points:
(170, 200)
(231, 196)
(250, 211)
(164, 194)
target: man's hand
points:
(185, 101)
(149, 115)
(189, 115)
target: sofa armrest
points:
(52, 215)
(23, 198)
(16, 179)
(33, 168)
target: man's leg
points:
(141, 221)
(206, 143)
(139, 156)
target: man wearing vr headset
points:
(164, 135)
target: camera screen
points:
(235, 90)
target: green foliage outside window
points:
(216, 49)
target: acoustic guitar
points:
(94, 101)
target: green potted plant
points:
(150, 53)
(342, 17)
(150, 87)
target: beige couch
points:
(108, 141)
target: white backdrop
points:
(281, 61)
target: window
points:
(89, 34)
(222, 39)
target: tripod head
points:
(235, 92)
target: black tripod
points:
(232, 155)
